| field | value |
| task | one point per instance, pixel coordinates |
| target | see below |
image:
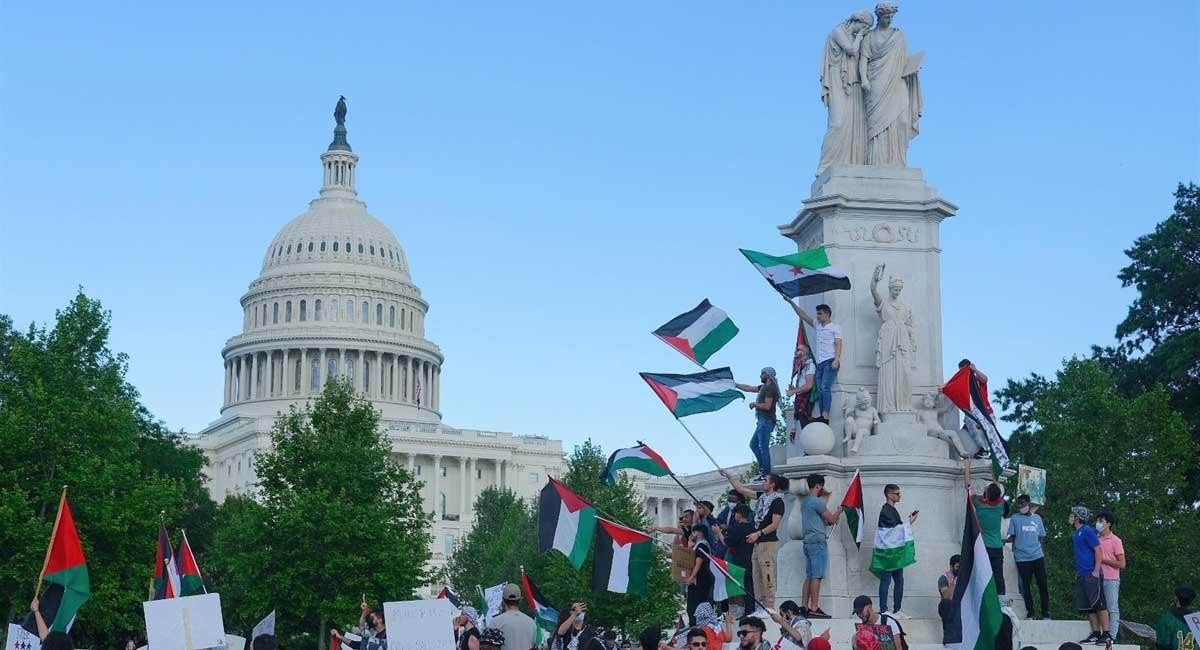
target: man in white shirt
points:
(827, 351)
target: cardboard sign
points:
(427, 624)
(20, 639)
(1032, 481)
(682, 561)
(1193, 622)
(189, 623)
(265, 626)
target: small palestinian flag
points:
(166, 573)
(190, 581)
(701, 392)
(852, 507)
(565, 522)
(641, 458)
(622, 559)
(803, 403)
(799, 274)
(976, 616)
(449, 595)
(727, 578)
(65, 573)
(965, 391)
(544, 613)
(699, 333)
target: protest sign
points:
(427, 624)
(1032, 481)
(493, 596)
(188, 623)
(265, 626)
(20, 639)
(235, 642)
(349, 636)
(1193, 622)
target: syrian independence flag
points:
(166, 573)
(65, 573)
(190, 581)
(449, 595)
(544, 613)
(852, 507)
(976, 612)
(894, 549)
(727, 578)
(701, 392)
(642, 458)
(969, 394)
(622, 559)
(565, 522)
(799, 274)
(699, 333)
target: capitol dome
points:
(334, 298)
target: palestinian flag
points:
(799, 274)
(976, 612)
(641, 458)
(449, 595)
(965, 391)
(699, 333)
(701, 392)
(190, 581)
(895, 547)
(565, 522)
(727, 578)
(852, 507)
(65, 573)
(622, 559)
(544, 613)
(166, 574)
(802, 403)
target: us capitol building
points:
(335, 298)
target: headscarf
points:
(472, 614)
(706, 616)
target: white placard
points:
(265, 626)
(493, 596)
(427, 624)
(21, 639)
(235, 642)
(1193, 621)
(189, 623)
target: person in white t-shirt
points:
(827, 351)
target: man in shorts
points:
(1089, 591)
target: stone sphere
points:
(816, 439)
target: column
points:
(323, 371)
(472, 469)
(286, 375)
(395, 395)
(437, 475)
(464, 504)
(412, 462)
(437, 388)
(380, 389)
(225, 397)
(502, 474)
(342, 362)
(410, 380)
(270, 373)
(254, 375)
(305, 373)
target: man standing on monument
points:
(814, 519)
(764, 414)
(827, 352)
(1089, 589)
(888, 562)
(845, 140)
(768, 514)
(891, 90)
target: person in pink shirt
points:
(1112, 560)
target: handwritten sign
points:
(1193, 621)
(1032, 481)
(427, 624)
(189, 623)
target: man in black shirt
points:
(739, 551)
(889, 520)
(700, 580)
(764, 412)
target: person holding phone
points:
(892, 540)
(573, 632)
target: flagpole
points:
(676, 479)
(193, 554)
(698, 443)
(739, 584)
(62, 500)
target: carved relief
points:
(882, 233)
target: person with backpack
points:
(884, 626)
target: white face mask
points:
(1100, 526)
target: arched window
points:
(275, 315)
(331, 371)
(365, 315)
(350, 310)
(379, 313)
(335, 247)
(392, 316)
(310, 247)
(287, 311)
(317, 310)
(255, 316)
(350, 371)
(322, 247)
(347, 247)
(264, 321)
(360, 249)
(314, 376)
(289, 249)
(303, 310)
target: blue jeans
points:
(885, 579)
(816, 559)
(826, 375)
(760, 444)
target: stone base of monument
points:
(902, 434)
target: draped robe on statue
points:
(845, 140)
(893, 103)
(893, 355)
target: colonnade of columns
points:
(471, 480)
(303, 372)
(664, 511)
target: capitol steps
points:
(926, 634)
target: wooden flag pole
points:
(698, 444)
(62, 500)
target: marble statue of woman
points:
(891, 91)
(845, 140)
(897, 343)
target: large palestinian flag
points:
(565, 522)
(976, 613)
(701, 392)
(191, 583)
(544, 613)
(699, 333)
(799, 274)
(894, 548)
(642, 458)
(852, 507)
(65, 573)
(727, 578)
(622, 559)
(166, 572)
(965, 391)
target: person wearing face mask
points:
(1089, 592)
(573, 632)
(1027, 533)
(1112, 553)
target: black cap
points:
(860, 603)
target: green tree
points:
(1108, 451)
(503, 539)
(337, 518)
(68, 416)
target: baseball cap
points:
(512, 591)
(861, 602)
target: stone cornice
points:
(329, 337)
(332, 282)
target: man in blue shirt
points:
(1089, 593)
(1027, 532)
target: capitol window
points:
(372, 250)
(347, 247)
(322, 247)
(401, 318)
(264, 321)
(299, 369)
(287, 312)
(303, 311)
(350, 371)
(310, 247)
(360, 249)
(366, 375)
(255, 316)
(335, 247)
(366, 312)
(332, 370)
(314, 381)
(289, 249)
(275, 315)
(317, 310)
(379, 314)
(350, 310)
(392, 316)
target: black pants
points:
(748, 583)
(1035, 569)
(996, 556)
(697, 594)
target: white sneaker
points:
(901, 615)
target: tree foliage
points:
(503, 539)
(337, 518)
(69, 417)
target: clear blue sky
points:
(566, 176)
